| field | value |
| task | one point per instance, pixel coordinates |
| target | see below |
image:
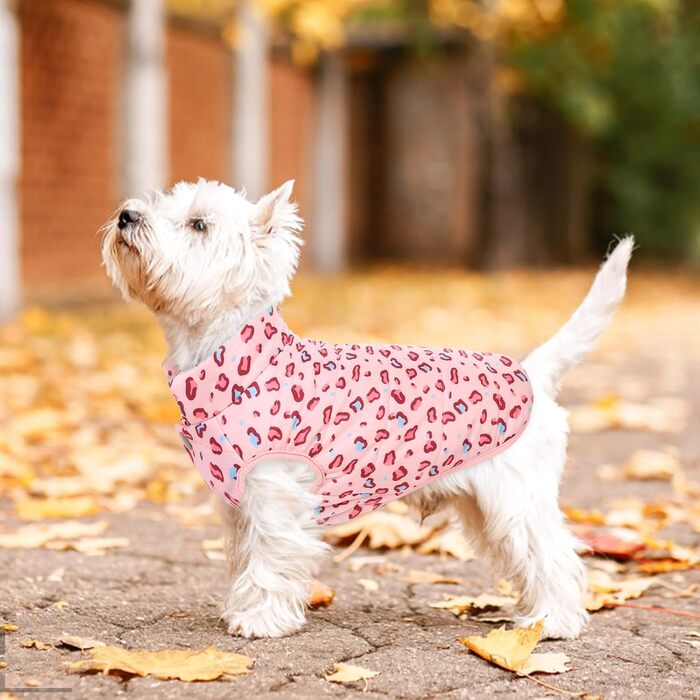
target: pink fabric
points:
(376, 422)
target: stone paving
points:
(163, 592)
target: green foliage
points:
(627, 73)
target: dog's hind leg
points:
(512, 516)
(274, 550)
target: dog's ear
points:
(275, 213)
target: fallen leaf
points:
(357, 563)
(215, 556)
(652, 464)
(185, 665)
(609, 544)
(508, 649)
(645, 465)
(73, 642)
(94, 546)
(321, 595)
(466, 604)
(662, 415)
(451, 542)
(347, 673)
(603, 591)
(418, 576)
(545, 663)
(38, 535)
(57, 508)
(383, 529)
(369, 584)
(661, 566)
(589, 517)
(35, 644)
(7, 627)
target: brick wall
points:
(291, 116)
(200, 86)
(71, 72)
(69, 62)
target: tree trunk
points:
(10, 285)
(146, 98)
(329, 244)
(250, 104)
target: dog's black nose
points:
(126, 217)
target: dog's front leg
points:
(274, 550)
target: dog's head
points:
(202, 248)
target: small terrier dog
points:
(294, 434)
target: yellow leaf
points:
(57, 508)
(7, 627)
(347, 673)
(321, 595)
(603, 591)
(185, 665)
(508, 649)
(590, 517)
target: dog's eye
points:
(199, 225)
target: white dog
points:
(210, 264)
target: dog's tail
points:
(549, 362)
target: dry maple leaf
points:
(321, 595)
(603, 591)
(185, 665)
(347, 673)
(512, 650)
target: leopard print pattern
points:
(375, 421)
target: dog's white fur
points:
(204, 285)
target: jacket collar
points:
(222, 379)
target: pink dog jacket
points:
(375, 421)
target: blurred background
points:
(474, 133)
(462, 166)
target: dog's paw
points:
(271, 621)
(557, 626)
